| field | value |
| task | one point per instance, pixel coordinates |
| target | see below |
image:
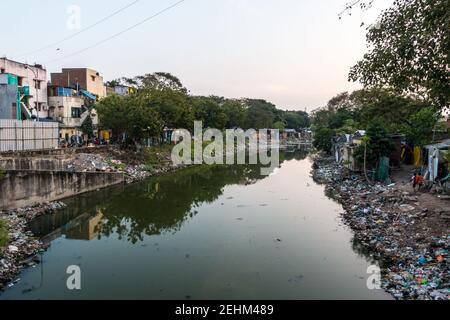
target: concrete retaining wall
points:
(24, 188)
(52, 152)
(40, 164)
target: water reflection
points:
(253, 237)
(156, 206)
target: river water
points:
(202, 233)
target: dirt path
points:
(435, 207)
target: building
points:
(288, 134)
(120, 90)
(70, 108)
(86, 227)
(435, 163)
(344, 147)
(23, 91)
(80, 79)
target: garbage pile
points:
(22, 249)
(396, 230)
(87, 162)
(90, 162)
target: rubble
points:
(22, 248)
(134, 172)
(390, 224)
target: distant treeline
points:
(161, 101)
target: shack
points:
(436, 164)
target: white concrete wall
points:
(27, 75)
(63, 108)
(18, 135)
(67, 103)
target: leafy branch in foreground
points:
(408, 51)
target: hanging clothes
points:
(417, 157)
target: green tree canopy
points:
(378, 144)
(208, 110)
(408, 51)
(346, 113)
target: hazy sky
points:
(295, 53)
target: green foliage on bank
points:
(376, 144)
(87, 127)
(408, 51)
(161, 101)
(383, 109)
(157, 155)
(4, 238)
(406, 80)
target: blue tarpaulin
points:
(89, 95)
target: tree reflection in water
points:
(156, 206)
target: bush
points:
(4, 238)
(378, 144)
(322, 139)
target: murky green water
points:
(202, 233)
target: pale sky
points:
(294, 53)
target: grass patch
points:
(116, 166)
(4, 238)
(156, 156)
(2, 173)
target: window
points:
(93, 78)
(76, 112)
(37, 84)
(20, 81)
(38, 107)
(2, 70)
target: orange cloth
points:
(419, 180)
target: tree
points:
(385, 105)
(87, 127)
(162, 101)
(114, 83)
(327, 120)
(408, 51)
(421, 126)
(208, 110)
(346, 113)
(349, 127)
(279, 126)
(260, 114)
(296, 119)
(144, 122)
(322, 139)
(131, 116)
(159, 81)
(113, 114)
(236, 113)
(172, 105)
(377, 144)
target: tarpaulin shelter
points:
(435, 158)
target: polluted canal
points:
(210, 232)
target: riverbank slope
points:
(411, 238)
(19, 248)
